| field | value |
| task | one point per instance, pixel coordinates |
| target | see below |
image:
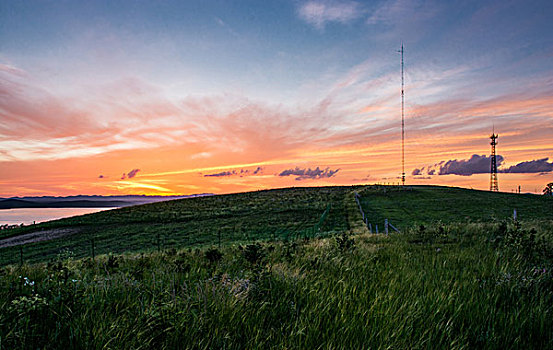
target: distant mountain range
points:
(86, 201)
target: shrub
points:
(213, 255)
(254, 253)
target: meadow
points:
(192, 222)
(463, 275)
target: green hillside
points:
(414, 205)
(280, 214)
(290, 269)
(193, 222)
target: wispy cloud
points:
(221, 174)
(258, 170)
(132, 173)
(241, 172)
(319, 13)
(403, 11)
(132, 185)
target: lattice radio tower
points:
(402, 120)
(493, 171)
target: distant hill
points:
(86, 201)
(16, 203)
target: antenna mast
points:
(493, 171)
(402, 120)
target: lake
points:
(28, 215)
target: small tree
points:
(548, 190)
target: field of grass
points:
(269, 215)
(474, 286)
(193, 222)
(423, 205)
(469, 278)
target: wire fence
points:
(202, 238)
(387, 224)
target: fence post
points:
(93, 252)
(370, 228)
(21, 255)
(515, 214)
(386, 226)
(376, 228)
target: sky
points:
(183, 97)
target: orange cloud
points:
(58, 145)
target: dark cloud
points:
(241, 172)
(475, 165)
(221, 174)
(132, 173)
(100, 176)
(482, 164)
(530, 167)
(309, 173)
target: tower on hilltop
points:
(402, 120)
(493, 171)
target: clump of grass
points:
(345, 242)
(253, 253)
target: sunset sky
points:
(183, 97)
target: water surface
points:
(29, 215)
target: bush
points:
(254, 253)
(213, 255)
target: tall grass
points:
(451, 286)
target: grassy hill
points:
(280, 214)
(193, 222)
(412, 206)
(295, 268)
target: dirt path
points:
(37, 236)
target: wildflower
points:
(27, 281)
